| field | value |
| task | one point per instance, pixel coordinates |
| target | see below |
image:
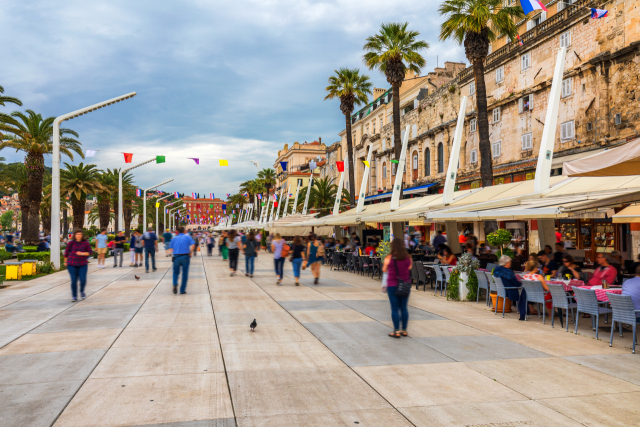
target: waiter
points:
(181, 247)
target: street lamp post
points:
(122, 172)
(166, 211)
(144, 205)
(55, 173)
(165, 217)
(171, 215)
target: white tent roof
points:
(618, 161)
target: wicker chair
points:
(377, 267)
(482, 284)
(561, 301)
(440, 279)
(492, 286)
(588, 303)
(535, 294)
(501, 293)
(365, 265)
(623, 312)
(414, 274)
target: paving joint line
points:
(109, 348)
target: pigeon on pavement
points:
(253, 325)
(137, 278)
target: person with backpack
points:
(250, 249)
(397, 266)
(280, 251)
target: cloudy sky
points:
(215, 79)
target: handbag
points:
(404, 288)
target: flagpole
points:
(122, 172)
(306, 199)
(157, 206)
(144, 204)
(294, 205)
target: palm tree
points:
(78, 182)
(33, 135)
(14, 177)
(352, 89)
(477, 23)
(109, 182)
(7, 99)
(236, 200)
(322, 197)
(394, 50)
(267, 177)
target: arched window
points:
(427, 162)
(440, 158)
(414, 164)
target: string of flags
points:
(128, 158)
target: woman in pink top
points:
(397, 265)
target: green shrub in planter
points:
(40, 256)
(4, 256)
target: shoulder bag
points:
(404, 288)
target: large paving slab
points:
(437, 328)
(315, 316)
(611, 410)
(560, 343)
(623, 366)
(380, 310)
(369, 418)
(347, 331)
(264, 333)
(268, 393)
(434, 384)
(35, 405)
(62, 341)
(312, 305)
(544, 378)
(167, 336)
(148, 400)
(479, 347)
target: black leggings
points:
(233, 259)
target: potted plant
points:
(500, 238)
(462, 279)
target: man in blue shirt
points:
(181, 247)
(150, 247)
(166, 238)
(632, 288)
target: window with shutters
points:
(393, 169)
(472, 88)
(500, 74)
(440, 158)
(618, 118)
(525, 61)
(373, 125)
(473, 156)
(527, 141)
(495, 148)
(565, 38)
(566, 87)
(525, 104)
(473, 123)
(414, 131)
(384, 171)
(427, 162)
(567, 130)
(496, 115)
(563, 4)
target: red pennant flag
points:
(128, 157)
(275, 204)
(340, 166)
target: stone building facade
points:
(599, 107)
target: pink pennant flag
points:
(195, 160)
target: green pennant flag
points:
(262, 204)
(395, 161)
(211, 206)
(159, 159)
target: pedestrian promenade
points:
(134, 354)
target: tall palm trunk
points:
(24, 208)
(65, 223)
(397, 132)
(46, 219)
(104, 211)
(486, 165)
(77, 205)
(35, 175)
(352, 179)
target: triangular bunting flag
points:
(195, 160)
(365, 163)
(340, 166)
(128, 157)
(283, 165)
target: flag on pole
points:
(395, 161)
(176, 195)
(259, 196)
(283, 165)
(224, 206)
(195, 160)
(193, 195)
(224, 163)
(519, 40)
(365, 163)
(138, 192)
(160, 159)
(529, 6)
(90, 153)
(211, 194)
(275, 196)
(340, 166)
(595, 14)
(228, 195)
(128, 157)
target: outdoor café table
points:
(567, 284)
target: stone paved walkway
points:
(133, 353)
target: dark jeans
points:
(233, 258)
(178, 263)
(118, 252)
(209, 249)
(77, 272)
(297, 263)
(249, 262)
(398, 309)
(148, 252)
(279, 265)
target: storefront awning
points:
(418, 190)
(628, 214)
(378, 196)
(619, 161)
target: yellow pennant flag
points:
(224, 163)
(365, 163)
(157, 205)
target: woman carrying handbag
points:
(397, 266)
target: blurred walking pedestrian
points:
(181, 247)
(150, 247)
(250, 250)
(119, 248)
(233, 242)
(297, 257)
(76, 259)
(397, 265)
